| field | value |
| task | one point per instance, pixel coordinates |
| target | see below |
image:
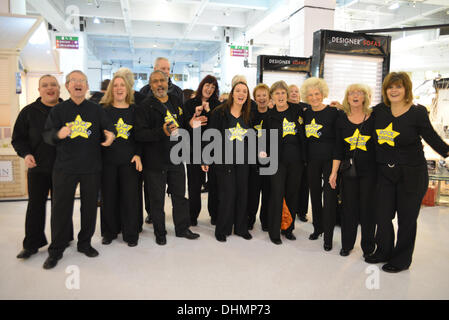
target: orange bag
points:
(286, 217)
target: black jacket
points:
(173, 89)
(79, 153)
(150, 118)
(27, 136)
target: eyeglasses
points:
(356, 93)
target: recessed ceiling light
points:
(214, 28)
(96, 20)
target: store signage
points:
(239, 51)
(340, 42)
(6, 174)
(63, 42)
(285, 63)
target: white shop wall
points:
(343, 70)
(270, 77)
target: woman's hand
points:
(198, 121)
(30, 162)
(110, 137)
(333, 180)
(336, 104)
(205, 168)
(138, 162)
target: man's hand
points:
(169, 127)
(138, 162)
(205, 168)
(196, 122)
(30, 162)
(64, 132)
(110, 137)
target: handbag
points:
(347, 167)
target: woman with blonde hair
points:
(402, 178)
(355, 157)
(121, 167)
(320, 122)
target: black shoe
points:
(148, 220)
(375, 259)
(302, 217)
(188, 235)
(366, 255)
(213, 222)
(392, 269)
(315, 235)
(250, 226)
(25, 253)
(290, 236)
(205, 188)
(246, 236)
(132, 243)
(220, 237)
(52, 261)
(106, 241)
(276, 241)
(193, 223)
(344, 252)
(264, 229)
(161, 240)
(327, 247)
(90, 252)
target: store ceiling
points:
(137, 31)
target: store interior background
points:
(197, 35)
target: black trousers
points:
(358, 207)
(399, 190)
(283, 184)
(232, 182)
(120, 200)
(146, 198)
(323, 198)
(39, 185)
(212, 196)
(258, 184)
(174, 177)
(195, 180)
(64, 187)
(303, 206)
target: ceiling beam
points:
(127, 21)
(53, 15)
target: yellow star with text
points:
(312, 129)
(258, 127)
(237, 132)
(357, 141)
(122, 129)
(288, 128)
(387, 135)
(169, 117)
(79, 128)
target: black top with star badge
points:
(320, 132)
(80, 152)
(398, 139)
(124, 147)
(351, 137)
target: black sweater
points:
(398, 139)
(320, 133)
(124, 147)
(27, 136)
(79, 153)
(346, 142)
(150, 118)
(290, 132)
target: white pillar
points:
(312, 15)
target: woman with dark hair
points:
(121, 166)
(402, 177)
(233, 120)
(287, 119)
(205, 100)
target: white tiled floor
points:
(208, 269)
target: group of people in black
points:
(372, 156)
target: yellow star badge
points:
(387, 135)
(288, 128)
(180, 111)
(258, 127)
(357, 140)
(237, 132)
(169, 117)
(79, 128)
(122, 129)
(312, 129)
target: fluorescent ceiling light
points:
(394, 6)
(96, 20)
(214, 28)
